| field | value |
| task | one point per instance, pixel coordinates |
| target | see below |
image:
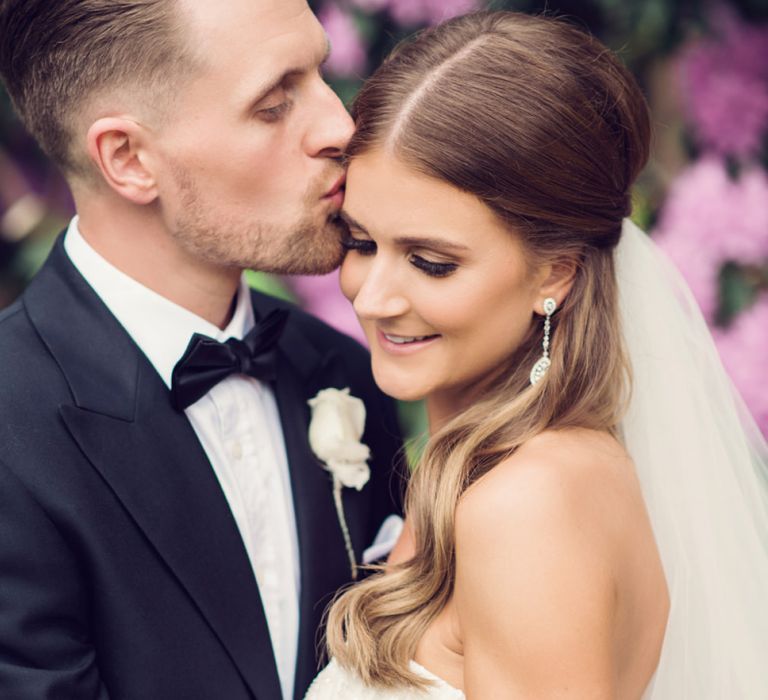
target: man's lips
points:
(336, 187)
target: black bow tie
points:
(206, 361)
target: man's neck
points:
(136, 243)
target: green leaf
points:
(269, 284)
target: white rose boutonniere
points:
(335, 433)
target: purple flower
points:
(415, 12)
(724, 81)
(348, 56)
(322, 297)
(440, 10)
(742, 349)
(371, 5)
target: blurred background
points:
(704, 196)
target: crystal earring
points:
(541, 367)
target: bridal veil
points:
(703, 467)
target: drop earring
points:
(542, 365)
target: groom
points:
(165, 531)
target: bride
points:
(589, 517)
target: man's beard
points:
(309, 246)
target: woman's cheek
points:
(352, 275)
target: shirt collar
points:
(160, 328)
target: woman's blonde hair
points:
(543, 124)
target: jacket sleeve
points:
(45, 652)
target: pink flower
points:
(692, 226)
(416, 12)
(747, 239)
(371, 5)
(742, 349)
(441, 10)
(348, 55)
(322, 297)
(709, 219)
(724, 81)
(730, 113)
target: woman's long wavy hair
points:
(544, 125)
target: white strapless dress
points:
(336, 683)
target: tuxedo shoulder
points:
(9, 313)
(319, 333)
(28, 371)
(17, 338)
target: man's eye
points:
(363, 246)
(431, 268)
(273, 114)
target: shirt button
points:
(236, 451)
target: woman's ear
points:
(118, 147)
(556, 284)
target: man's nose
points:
(331, 127)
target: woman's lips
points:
(403, 344)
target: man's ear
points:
(117, 146)
(557, 282)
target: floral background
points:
(704, 195)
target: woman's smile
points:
(404, 344)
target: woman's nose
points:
(380, 297)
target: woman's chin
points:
(400, 388)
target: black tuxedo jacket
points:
(122, 571)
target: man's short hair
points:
(55, 55)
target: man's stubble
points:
(309, 245)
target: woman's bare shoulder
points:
(538, 544)
(574, 473)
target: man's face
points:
(249, 161)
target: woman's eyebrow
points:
(431, 242)
(410, 241)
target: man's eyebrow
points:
(410, 241)
(264, 91)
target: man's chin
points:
(315, 266)
(315, 252)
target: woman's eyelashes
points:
(365, 246)
(433, 269)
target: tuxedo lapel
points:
(150, 457)
(301, 373)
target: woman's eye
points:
(363, 246)
(433, 269)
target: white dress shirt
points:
(238, 425)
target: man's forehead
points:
(255, 21)
(248, 38)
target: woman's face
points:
(442, 289)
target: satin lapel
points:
(324, 565)
(151, 458)
(301, 373)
